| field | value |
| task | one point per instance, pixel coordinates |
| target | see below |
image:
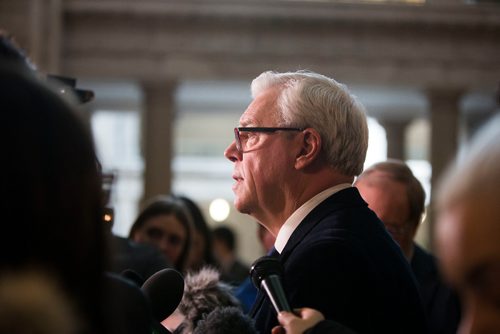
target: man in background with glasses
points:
(297, 149)
(398, 198)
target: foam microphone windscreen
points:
(164, 290)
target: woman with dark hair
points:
(201, 253)
(52, 207)
(166, 224)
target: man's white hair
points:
(308, 99)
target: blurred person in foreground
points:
(54, 246)
(468, 230)
(397, 197)
(297, 149)
(52, 207)
(11, 53)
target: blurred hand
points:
(297, 322)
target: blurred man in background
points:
(398, 199)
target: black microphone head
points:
(133, 276)
(164, 290)
(264, 267)
(127, 309)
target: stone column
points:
(395, 132)
(55, 35)
(444, 121)
(45, 31)
(157, 136)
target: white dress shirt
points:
(294, 220)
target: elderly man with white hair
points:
(297, 149)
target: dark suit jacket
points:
(341, 261)
(441, 303)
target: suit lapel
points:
(339, 200)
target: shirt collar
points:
(296, 218)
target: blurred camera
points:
(67, 84)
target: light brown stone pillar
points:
(157, 136)
(45, 31)
(395, 130)
(444, 120)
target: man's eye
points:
(252, 138)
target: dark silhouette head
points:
(52, 207)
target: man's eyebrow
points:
(246, 122)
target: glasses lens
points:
(237, 139)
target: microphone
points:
(127, 309)
(132, 276)
(164, 289)
(266, 273)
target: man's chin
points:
(241, 205)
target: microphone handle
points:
(274, 290)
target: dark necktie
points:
(273, 252)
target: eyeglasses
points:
(244, 144)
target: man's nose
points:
(232, 152)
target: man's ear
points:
(311, 147)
